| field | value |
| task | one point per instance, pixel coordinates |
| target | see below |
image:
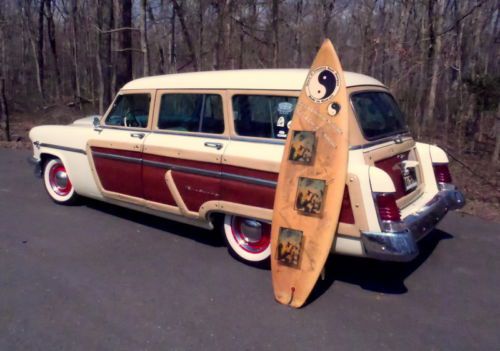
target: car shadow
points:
(372, 275)
(376, 276)
(208, 237)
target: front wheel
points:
(57, 182)
(248, 239)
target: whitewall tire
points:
(57, 182)
(248, 239)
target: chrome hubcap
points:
(61, 179)
(251, 235)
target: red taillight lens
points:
(442, 173)
(387, 208)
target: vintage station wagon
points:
(191, 147)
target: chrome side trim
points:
(64, 148)
(116, 157)
(250, 180)
(192, 170)
(184, 169)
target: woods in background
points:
(439, 57)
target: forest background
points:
(62, 59)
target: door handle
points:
(137, 135)
(217, 146)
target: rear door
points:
(115, 151)
(386, 142)
(182, 156)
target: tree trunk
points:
(435, 14)
(4, 111)
(275, 30)
(124, 57)
(201, 30)
(144, 38)
(51, 31)
(297, 39)
(39, 50)
(103, 52)
(76, 77)
(173, 44)
(187, 36)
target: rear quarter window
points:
(378, 114)
(263, 116)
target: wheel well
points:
(44, 158)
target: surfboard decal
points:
(322, 84)
(310, 196)
(289, 247)
(333, 109)
(303, 147)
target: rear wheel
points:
(57, 182)
(248, 239)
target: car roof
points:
(253, 79)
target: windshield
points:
(378, 114)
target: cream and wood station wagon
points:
(190, 147)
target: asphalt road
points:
(98, 277)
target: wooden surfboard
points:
(311, 181)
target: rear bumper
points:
(400, 244)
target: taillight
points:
(387, 208)
(442, 173)
(346, 215)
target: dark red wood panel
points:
(391, 167)
(119, 176)
(194, 189)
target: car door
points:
(182, 156)
(115, 150)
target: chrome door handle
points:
(137, 135)
(217, 146)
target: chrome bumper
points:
(400, 244)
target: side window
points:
(263, 116)
(191, 113)
(130, 110)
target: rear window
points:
(191, 113)
(378, 114)
(263, 116)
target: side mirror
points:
(96, 122)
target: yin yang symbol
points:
(333, 109)
(322, 84)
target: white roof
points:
(264, 79)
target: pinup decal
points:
(322, 84)
(302, 147)
(289, 247)
(310, 196)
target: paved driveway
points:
(98, 277)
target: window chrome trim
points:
(259, 140)
(63, 148)
(382, 141)
(192, 134)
